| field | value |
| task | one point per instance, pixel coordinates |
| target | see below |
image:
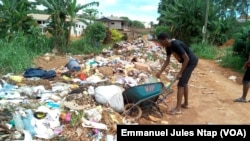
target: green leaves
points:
(95, 33)
(63, 15)
(14, 17)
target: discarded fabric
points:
(38, 72)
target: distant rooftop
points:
(243, 18)
(42, 17)
(112, 18)
(45, 17)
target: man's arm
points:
(166, 62)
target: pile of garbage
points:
(81, 100)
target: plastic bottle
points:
(18, 121)
(27, 121)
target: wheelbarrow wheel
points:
(135, 112)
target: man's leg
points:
(177, 109)
(245, 87)
(187, 74)
(180, 94)
(183, 88)
(185, 103)
(245, 90)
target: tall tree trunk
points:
(68, 37)
(204, 30)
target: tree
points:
(95, 33)
(151, 24)
(204, 30)
(186, 19)
(163, 6)
(137, 24)
(14, 18)
(107, 38)
(127, 20)
(72, 10)
(62, 15)
(243, 7)
(88, 16)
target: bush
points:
(241, 44)
(125, 37)
(204, 51)
(95, 33)
(81, 46)
(230, 60)
(18, 54)
(160, 29)
(38, 42)
(107, 38)
(115, 35)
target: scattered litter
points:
(232, 78)
(83, 98)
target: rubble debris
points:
(67, 107)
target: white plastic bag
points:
(111, 95)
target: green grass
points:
(229, 60)
(14, 57)
(18, 54)
(224, 56)
(204, 51)
(81, 47)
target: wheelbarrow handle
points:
(171, 83)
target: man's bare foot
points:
(184, 106)
(174, 112)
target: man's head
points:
(163, 39)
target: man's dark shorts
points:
(187, 74)
(246, 77)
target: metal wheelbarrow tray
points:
(148, 96)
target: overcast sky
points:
(141, 10)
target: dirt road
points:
(212, 96)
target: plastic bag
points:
(152, 79)
(111, 95)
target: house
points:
(243, 18)
(78, 29)
(44, 19)
(114, 23)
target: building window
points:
(112, 23)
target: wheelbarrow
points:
(147, 96)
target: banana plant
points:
(13, 17)
(62, 15)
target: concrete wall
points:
(78, 29)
